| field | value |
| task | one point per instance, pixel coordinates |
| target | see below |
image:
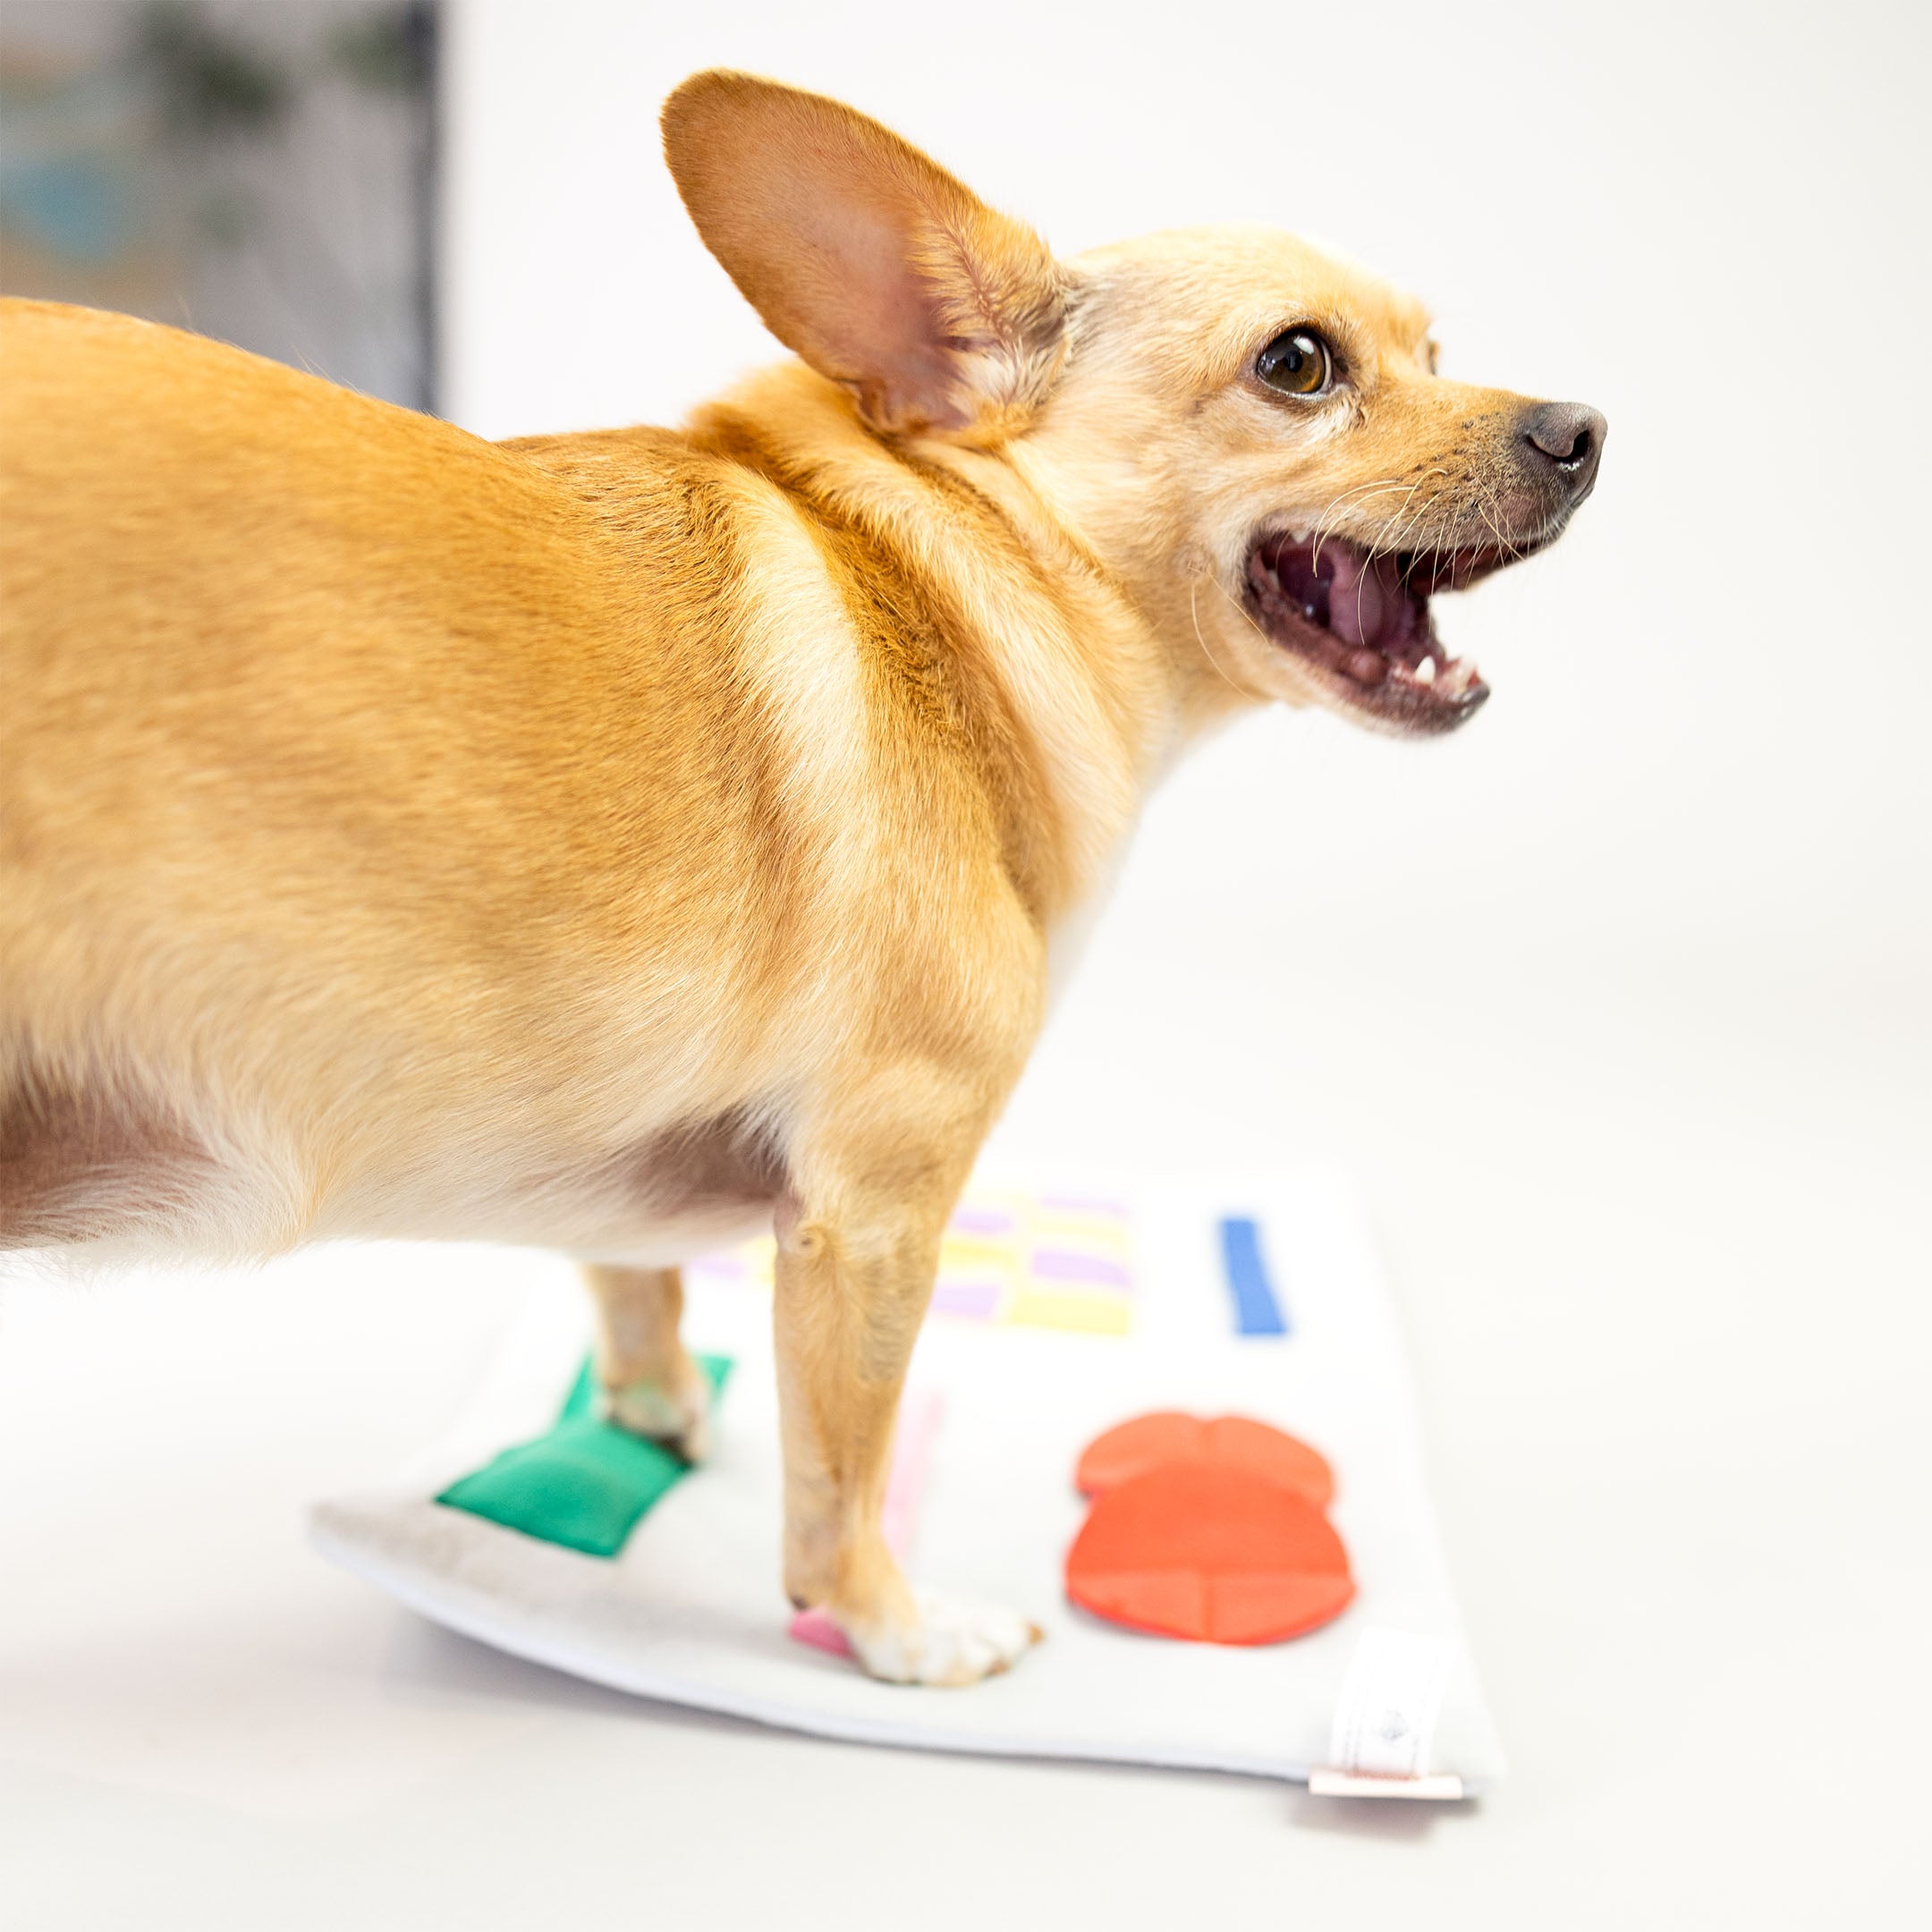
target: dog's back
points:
(619, 842)
(339, 744)
(401, 832)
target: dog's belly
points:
(680, 1238)
(687, 1188)
(91, 1165)
(681, 1190)
(115, 1171)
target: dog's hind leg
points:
(647, 1382)
(857, 1248)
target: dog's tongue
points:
(1361, 606)
(1360, 601)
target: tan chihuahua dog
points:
(622, 842)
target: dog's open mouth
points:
(1362, 623)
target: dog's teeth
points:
(1426, 671)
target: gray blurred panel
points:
(265, 174)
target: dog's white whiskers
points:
(1482, 510)
(1207, 650)
(1390, 526)
(1242, 612)
(1339, 505)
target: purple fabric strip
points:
(1060, 1264)
(977, 1300)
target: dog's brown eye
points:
(1297, 363)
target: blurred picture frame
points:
(267, 175)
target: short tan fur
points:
(620, 843)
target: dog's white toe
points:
(950, 1644)
(679, 1418)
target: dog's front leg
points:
(646, 1380)
(857, 1253)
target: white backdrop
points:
(1616, 1001)
(1700, 218)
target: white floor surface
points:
(1657, 1231)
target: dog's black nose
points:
(1569, 437)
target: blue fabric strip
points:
(1257, 1311)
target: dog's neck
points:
(1094, 707)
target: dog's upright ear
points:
(883, 272)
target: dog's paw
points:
(679, 1418)
(947, 1643)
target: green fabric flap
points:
(586, 1483)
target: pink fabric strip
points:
(919, 1415)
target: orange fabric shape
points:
(1218, 1555)
(1169, 1437)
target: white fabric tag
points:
(1391, 1695)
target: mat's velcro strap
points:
(1384, 1722)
